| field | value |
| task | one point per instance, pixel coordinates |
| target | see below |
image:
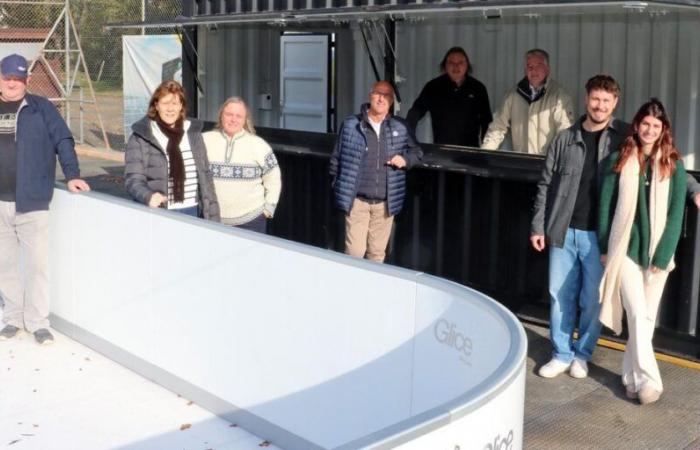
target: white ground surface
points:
(66, 396)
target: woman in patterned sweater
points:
(246, 175)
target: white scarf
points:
(618, 242)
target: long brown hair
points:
(459, 51)
(632, 146)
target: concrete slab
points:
(66, 396)
(594, 413)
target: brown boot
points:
(648, 395)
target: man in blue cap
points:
(32, 134)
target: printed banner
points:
(147, 61)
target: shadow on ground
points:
(594, 413)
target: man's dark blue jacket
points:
(351, 148)
(41, 134)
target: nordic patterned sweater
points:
(638, 249)
(247, 178)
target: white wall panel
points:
(334, 350)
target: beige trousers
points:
(641, 293)
(26, 296)
(367, 230)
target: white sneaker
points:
(553, 368)
(579, 368)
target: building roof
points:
(24, 34)
(283, 12)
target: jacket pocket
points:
(561, 182)
(41, 188)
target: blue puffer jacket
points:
(351, 148)
(41, 134)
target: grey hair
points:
(248, 126)
(538, 52)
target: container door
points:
(304, 82)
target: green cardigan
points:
(638, 249)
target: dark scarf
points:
(524, 91)
(176, 166)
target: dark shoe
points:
(632, 395)
(8, 332)
(43, 336)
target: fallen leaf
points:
(189, 403)
(14, 442)
(35, 425)
(233, 425)
(87, 359)
(26, 434)
(264, 444)
(185, 426)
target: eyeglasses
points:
(386, 95)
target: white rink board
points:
(310, 348)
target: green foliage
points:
(102, 48)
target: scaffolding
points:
(57, 62)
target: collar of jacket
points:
(445, 78)
(614, 125)
(363, 117)
(142, 127)
(523, 90)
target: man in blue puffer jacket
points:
(368, 164)
(32, 133)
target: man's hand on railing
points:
(77, 185)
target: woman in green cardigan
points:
(641, 211)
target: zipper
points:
(21, 107)
(230, 144)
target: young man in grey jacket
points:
(565, 216)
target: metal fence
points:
(75, 61)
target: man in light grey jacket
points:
(535, 110)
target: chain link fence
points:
(45, 33)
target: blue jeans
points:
(190, 211)
(574, 278)
(258, 224)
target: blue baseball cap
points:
(14, 66)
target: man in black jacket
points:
(458, 103)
